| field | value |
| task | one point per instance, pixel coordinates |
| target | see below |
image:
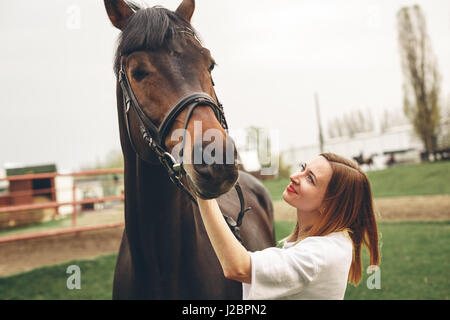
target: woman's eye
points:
(139, 74)
(303, 168)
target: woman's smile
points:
(307, 187)
(290, 188)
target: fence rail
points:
(54, 204)
(58, 232)
(55, 174)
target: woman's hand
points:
(233, 257)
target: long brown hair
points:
(348, 207)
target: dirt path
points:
(25, 255)
(416, 208)
(21, 256)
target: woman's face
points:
(307, 190)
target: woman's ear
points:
(118, 12)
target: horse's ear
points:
(118, 12)
(186, 9)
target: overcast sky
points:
(57, 89)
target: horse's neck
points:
(153, 199)
(157, 213)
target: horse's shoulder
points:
(253, 185)
(246, 180)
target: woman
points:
(335, 217)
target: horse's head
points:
(164, 61)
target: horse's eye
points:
(211, 67)
(139, 74)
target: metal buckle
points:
(177, 167)
(173, 165)
(121, 75)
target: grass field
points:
(87, 218)
(411, 180)
(414, 265)
(415, 256)
(41, 226)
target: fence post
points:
(74, 199)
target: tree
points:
(336, 128)
(350, 124)
(444, 126)
(392, 118)
(113, 160)
(284, 170)
(421, 85)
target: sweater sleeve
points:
(278, 273)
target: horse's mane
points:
(150, 28)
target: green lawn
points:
(415, 256)
(415, 264)
(83, 219)
(415, 261)
(408, 180)
(49, 283)
(422, 179)
(38, 227)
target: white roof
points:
(250, 160)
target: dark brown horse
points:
(361, 160)
(165, 251)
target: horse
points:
(165, 252)
(361, 160)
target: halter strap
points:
(154, 137)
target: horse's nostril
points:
(203, 170)
(218, 172)
(203, 153)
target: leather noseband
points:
(154, 137)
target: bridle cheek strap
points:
(154, 137)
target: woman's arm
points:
(233, 257)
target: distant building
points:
(27, 191)
(89, 188)
(249, 160)
(247, 142)
(400, 141)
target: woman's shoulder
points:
(334, 243)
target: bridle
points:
(154, 137)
